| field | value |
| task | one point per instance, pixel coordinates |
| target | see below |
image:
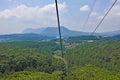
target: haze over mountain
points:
(24, 37)
(113, 33)
(49, 33)
(53, 31)
(36, 31)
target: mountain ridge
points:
(24, 37)
(49, 33)
(53, 31)
(111, 33)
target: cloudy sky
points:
(17, 15)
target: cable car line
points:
(59, 28)
(93, 4)
(103, 18)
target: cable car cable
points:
(103, 18)
(93, 4)
(59, 27)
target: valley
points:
(85, 58)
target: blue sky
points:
(17, 15)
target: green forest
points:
(96, 60)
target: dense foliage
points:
(87, 72)
(90, 72)
(80, 39)
(24, 37)
(27, 75)
(18, 57)
(97, 60)
(103, 54)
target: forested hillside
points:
(28, 56)
(97, 60)
(104, 54)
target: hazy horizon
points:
(22, 32)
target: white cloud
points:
(94, 14)
(25, 12)
(115, 12)
(112, 20)
(118, 0)
(23, 16)
(85, 8)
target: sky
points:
(18, 15)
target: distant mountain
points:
(36, 31)
(24, 37)
(49, 33)
(113, 33)
(53, 31)
(116, 36)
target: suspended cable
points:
(59, 27)
(103, 18)
(89, 15)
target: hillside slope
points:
(104, 54)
